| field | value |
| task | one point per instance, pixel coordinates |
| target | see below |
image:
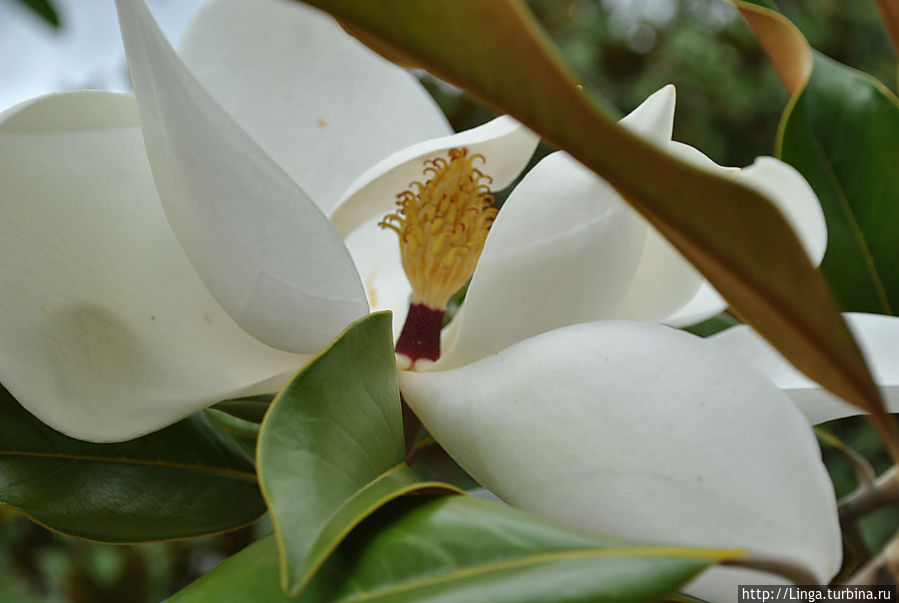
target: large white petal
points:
(665, 282)
(506, 145)
(876, 334)
(376, 252)
(640, 431)
(662, 282)
(264, 250)
(320, 103)
(562, 250)
(106, 333)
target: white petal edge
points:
(638, 431)
(653, 119)
(704, 305)
(263, 248)
(108, 333)
(505, 143)
(781, 184)
(663, 281)
(376, 252)
(689, 298)
(794, 197)
(562, 250)
(878, 338)
(323, 105)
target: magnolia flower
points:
(137, 292)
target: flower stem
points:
(870, 496)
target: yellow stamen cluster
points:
(442, 225)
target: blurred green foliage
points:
(730, 102)
(729, 97)
(43, 9)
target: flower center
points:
(442, 225)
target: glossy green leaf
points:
(43, 9)
(245, 433)
(331, 447)
(713, 325)
(829, 130)
(187, 480)
(251, 408)
(458, 548)
(734, 236)
(841, 132)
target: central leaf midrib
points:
(854, 228)
(221, 471)
(471, 572)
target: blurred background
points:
(729, 104)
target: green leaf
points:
(251, 408)
(841, 132)
(43, 9)
(244, 433)
(187, 480)
(713, 325)
(433, 463)
(496, 51)
(331, 448)
(799, 143)
(458, 548)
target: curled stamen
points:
(442, 225)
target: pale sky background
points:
(86, 52)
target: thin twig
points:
(870, 496)
(863, 470)
(884, 568)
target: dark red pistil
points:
(421, 333)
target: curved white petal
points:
(639, 431)
(782, 185)
(323, 105)
(264, 250)
(506, 145)
(878, 338)
(653, 119)
(793, 196)
(668, 289)
(663, 282)
(705, 304)
(376, 252)
(562, 250)
(107, 333)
